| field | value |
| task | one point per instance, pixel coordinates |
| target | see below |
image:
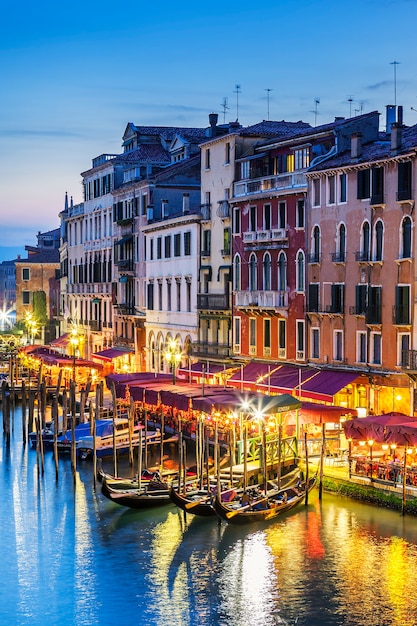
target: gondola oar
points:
(231, 514)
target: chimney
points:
(400, 115)
(213, 117)
(396, 137)
(185, 203)
(391, 116)
(356, 145)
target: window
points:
(188, 285)
(341, 244)
(300, 345)
(342, 188)
(226, 241)
(282, 272)
(252, 273)
(178, 283)
(301, 158)
(376, 348)
(227, 153)
(267, 272)
(160, 296)
(316, 192)
(282, 338)
(402, 305)
(374, 309)
(331, 189)
(377, 191)
(361, 300)
(151, 250)
(364, 184)
(187, 243)
(338, 345)
(313, 297)
(337, 294)
(379, 241)
(404, 181)
(207, 158)
(236, 334)
(244, 170)
(252, 334)
(25, 273)
(267, 336)
(159, 248)
(405, 252)
(267, 217)
(300, 214)
(150, 296)
(177, 244)
(315, 343)
(236, 220)
(237, 274)
(361, 347)
(206, 243)
(300, 271)
(282, 215)
(26, 297)
(365, 242)
(167, 246)
(315, 257)
(169, 296)
(252, 218)
(404, 340)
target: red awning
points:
(60, 342)
(111, 353)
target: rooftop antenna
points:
(268, 91)
(350, 100)
(237, 92)
(316, 103)
(225, 108)
(395, 63)
(413, 109)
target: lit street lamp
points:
(75, 342)
(173, 357)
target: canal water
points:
(70, 557)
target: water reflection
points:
(70, 556)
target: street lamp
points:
(75, 342)
(31, 327)
(173, 357)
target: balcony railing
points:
(213, 301)
(267, 184)
(203, 350)
(338, 257)
(401, 316)
(258, 236)
(404, 195)
(223, 210)
(409, 359)
(125, 265)
(125, 309)
(314, 257)
(363, 256)
(262, 299)
(205, 211)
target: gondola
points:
(262, 507)
(153, 494)
(199, 501)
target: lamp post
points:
(173, 357)
(75, 342)
(370, 444)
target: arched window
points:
(267, 272)
(379, 240)
(252, 273)
(300, 271)
(282, 272)
(316, 244)
(341, 243)
(406, 238)
(365, 242)
(236, 274)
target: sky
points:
(74, 74)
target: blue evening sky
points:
(74, 74)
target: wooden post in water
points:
(114, 403)
(93, 433)
(73, 420)
(55, 421)
(24, 421)
(31, 410)
(322, 451)
(161, 459)
(131, 421)
(307, 469)
(404, 503)
(145, 414)
(140, 461)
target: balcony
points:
(262, 299)
(206, 350)
(266, 184)
(125, 309)
(205, 210)
(260, 236)
(338, 257)
(314, 258)
(125, 265)
(223, 210)
(213, 301)
(226, 252)
(401, 316)
(363, 256)
(409, 360)
(405, 195)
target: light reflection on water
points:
(70, 557)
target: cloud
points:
(381, 85)
(19, 132)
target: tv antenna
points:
(413, 109)
(395, 63)
(316, 104)
(268, 91)
(225, 108)
(237, 92)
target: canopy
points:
(381, 428)
(111, 353)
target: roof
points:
(149, 152)
(43, 256)
(275, 129)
